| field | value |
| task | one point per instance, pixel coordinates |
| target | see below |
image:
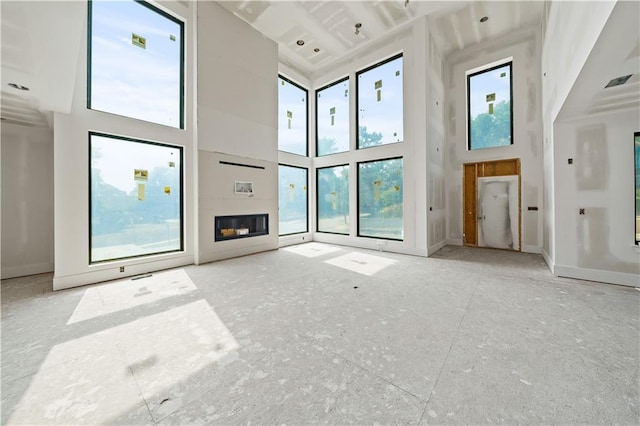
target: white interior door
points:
(498, 212)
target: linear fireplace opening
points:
(241, 226)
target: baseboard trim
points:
(437, 246)
(453, 242)
(531, 249)
(611, 277)
(25, 270)
(113, 272)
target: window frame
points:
(400, 157)
(357, 100)
(327, 86)
(636, 169)
(162, 13)
(306, 145)
(318, 198)
(490, 68)
(181, 149)
(306, 201)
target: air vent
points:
(618, 81)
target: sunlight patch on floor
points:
(365, 264)
(107, 373)
(311, 250)
(129, 293)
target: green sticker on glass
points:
(139, 41)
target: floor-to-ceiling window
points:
(293, 199)
(135, 62)
(135, 198)
(356, 155)
(380, 118)
(135, 71)
(293, 138)
(380, 199)
(332, 186)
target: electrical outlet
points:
(570, 161)
(122, 269)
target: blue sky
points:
(487, 83)
(334, 97)
(117, 159)
(129, 80)
(384, 116)
(292, 99)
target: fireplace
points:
(241, 226)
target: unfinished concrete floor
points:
(325, 334)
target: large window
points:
(333, 199)
(292, 200)
(379, 104)
(490, 108)
(135, 198)
(637, 169)
(135, 62)
(332, 118)
(292, 117)
(380, 201)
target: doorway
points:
(492, 210)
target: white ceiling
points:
(330, 25)
(40, 50)
(41, 41)
(616, 54)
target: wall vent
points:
(618, 81)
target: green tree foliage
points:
(292, 193)
(489, 130)
(114, 210)
(333, 194)
(366, 139)
(326, 146)
(380, 195)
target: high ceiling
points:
(330, 26)
(42, 41)
(40, 50)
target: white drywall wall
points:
(237, 86)
(571, 31)
(436, 146)
(524, 48)
(27, 200)
(587, 44)
(599, 244)
(237, 123)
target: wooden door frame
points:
(470, 174)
